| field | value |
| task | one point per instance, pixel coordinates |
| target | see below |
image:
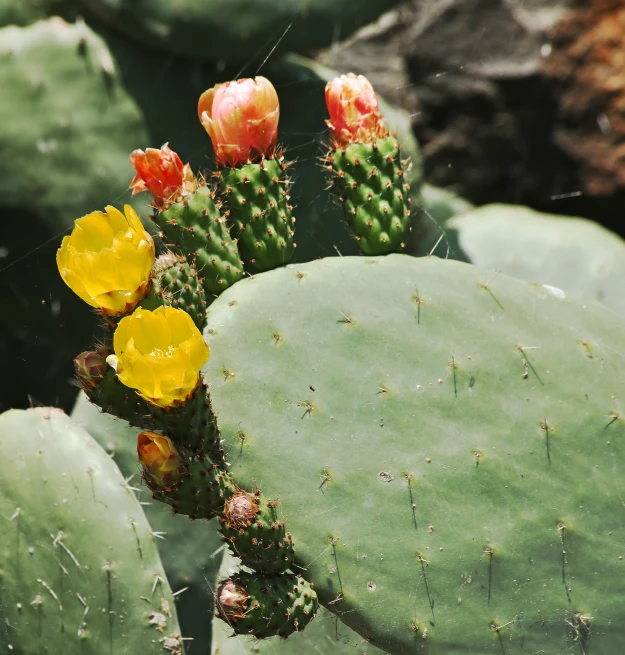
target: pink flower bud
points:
(241, 118)
(353, 108)
(231, 600)
(161, 172)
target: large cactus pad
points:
(79, 569)
(445, 444)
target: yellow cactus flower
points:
(159, 354)
(107, 260)
(159, 457)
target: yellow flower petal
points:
(107, 260)
(160, 354)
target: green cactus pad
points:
(200, 493)
(266, 606)
(175, 284)
(574, 254)
(191, 551)
(64, 155)
(371, 182)
(237, 34)
(326, 635)
(195, 227)
(79, 569)
(252, 529)
(256, 198)
(437, 438)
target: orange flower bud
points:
(160, 171)
(159, 458)
(241, 118)
(353, 108)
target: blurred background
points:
(519, 102)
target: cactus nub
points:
(266, 606)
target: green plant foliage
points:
(574, 254)
(191, 551)
(234, 30)
(79, 569)
(444, 445)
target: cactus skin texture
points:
(574, 254)
(80, 573)
(190, 551)
(371, 181)
(266, 605)
(175, 284)
(477, 422)
(258, 205)
(196, 228)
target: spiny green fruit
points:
(175, 284)
(256, 198)
(266, 606)
(191, 551)
(192, 426)
(437, 437)
(371, 181)
(326, 635)
(251, 528)
(196, 488)
(196, 228)
(79, 569)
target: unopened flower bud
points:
(353, 108)
(241, 118)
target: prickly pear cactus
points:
(445, 446)
(47, 70)
(79, 569)
(574, 254)
(191, 552)
(326, 635)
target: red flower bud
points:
(353, 108)
(90, 368)
(241, 118)
(161, 172)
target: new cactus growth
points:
(241, 119)
(187, 217)
(175, 284)
(435, 443)
(367, 167)
(266, 606)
